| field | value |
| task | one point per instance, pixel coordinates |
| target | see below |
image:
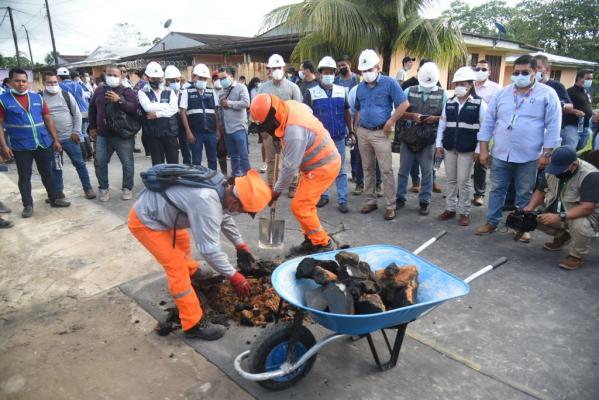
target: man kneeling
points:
(570, 184)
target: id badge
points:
(513, 121)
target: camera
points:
(522, 221)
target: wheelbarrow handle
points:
(429, 242)
(496, 264)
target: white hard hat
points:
(202, 71)
(154, 70)
(327, 62)
(171, 72)
(464, 74)
(368, 59)
(276, 61)
(428, 75)
(62, 71)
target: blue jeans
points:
(574, 139)
(415, 172)
(341, 181)
(358, 171)
(208, 141)
(105, 147)
(237, 147)
(502, 172)
(73, 150)
(407, 159)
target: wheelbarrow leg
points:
(298, 319)
(393, 351)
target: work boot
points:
(3, 208)
(478, 201)
(389, 215)
(437, 188)
(343, 208)
(571, 263)
(322, 202)
(205, 330)
(486, 229)
(558, 242)
(415, 187)
(306, 247)
(368, 208)
(90, 194)
(59, 203)
(359, 189)
(446, 215)
(464, 220)
(379, 191)
(423, 209)
(27, 212)
(4, 224)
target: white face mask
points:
(301, 75)
(370, 76)
(217, 84)
(461, 91)
(278, 74)
(113, 81)
(52, 89)
(481, 75)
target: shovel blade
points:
(271, 234)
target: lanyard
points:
(518, 105)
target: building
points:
(102, 56)
(563, 69)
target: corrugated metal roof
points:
(557, 60)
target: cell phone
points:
(423, 117)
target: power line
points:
(3, 18)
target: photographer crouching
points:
(571, 197)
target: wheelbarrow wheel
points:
(269, 351)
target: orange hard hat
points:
(267, 107)
(252, 191)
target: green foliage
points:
(11, 62)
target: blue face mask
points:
(328, 79)
(225, 82)
(200, 85)
(521, 81)
(588, 83)
(175, 86)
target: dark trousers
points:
(144, 143)
(43, 162)
(164, 148)
(480, 179)
(185, 147)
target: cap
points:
(406, 59)
(561, 159)
(62, 71)
(253, 193)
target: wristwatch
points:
(563, 216)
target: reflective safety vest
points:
(201, 111)
(76, 89)
(330, 109)
(163, 126)
(25, 128)
(417, 137)
(322, 149)
(462, 125)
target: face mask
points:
(301, 75)
(564, 176)
(481, 75)
(155, 84)
(200, 85)
(328, 79)
(86, 79)
(53, 89)
(521, 81)
(278, 74)
(461, 91)
(370, 76)
(225, 82)
(217, 84)
(15, 91)
(175, 86)
(270, 124)
(113, 81)
(539, 76)
(343, 70)
(588, 83)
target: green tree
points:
(480, 19)
(349, 26)
(11, 62)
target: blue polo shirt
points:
(376, 103)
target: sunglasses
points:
(523, 73)
(478, 69)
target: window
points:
(473, 59)
(555, 75)
(494, 67)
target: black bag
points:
(119, 123)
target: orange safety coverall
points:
(319, 169)
(177, 263)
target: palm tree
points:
(349, 26)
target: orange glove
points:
(241, 285)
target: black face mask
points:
(343, 70)
(565, 176)
(155, 84)
(270, 124)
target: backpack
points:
(162, 176)
(119, 123)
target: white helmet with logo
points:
(62, 71)
(154, 70)
(276, 61)
(202, 71)
(368, 59)
(327, 62)
(428, 75)
(171, 72)
(464, 74)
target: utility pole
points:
(54, 52)
(28, 44)
(14, 35)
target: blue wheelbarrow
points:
(286, 351)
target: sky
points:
(82, 25)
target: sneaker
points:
(558, 242)
(399, 204)
(27, 212)
(423, 209)
(205, 330)
(571, 263)
(3, 208)
(478, 201)
(127, 195)
(59, 203)
(486, 229)
(263, 168)
(322, 202)
(90, 194)
(359, 189)
(4, 224)
(104, 195)
(343, 208)
(525, 237)
(437, 188)
(379, 191)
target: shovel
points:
(272, 231)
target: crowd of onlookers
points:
(513, 131)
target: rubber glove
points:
(245, 259)
(240, 284)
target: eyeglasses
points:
(478, 69)
(523, 73)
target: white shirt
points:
(162, 110)
(183, 103)
(401, 75)
(487, 90)
(443, 121)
